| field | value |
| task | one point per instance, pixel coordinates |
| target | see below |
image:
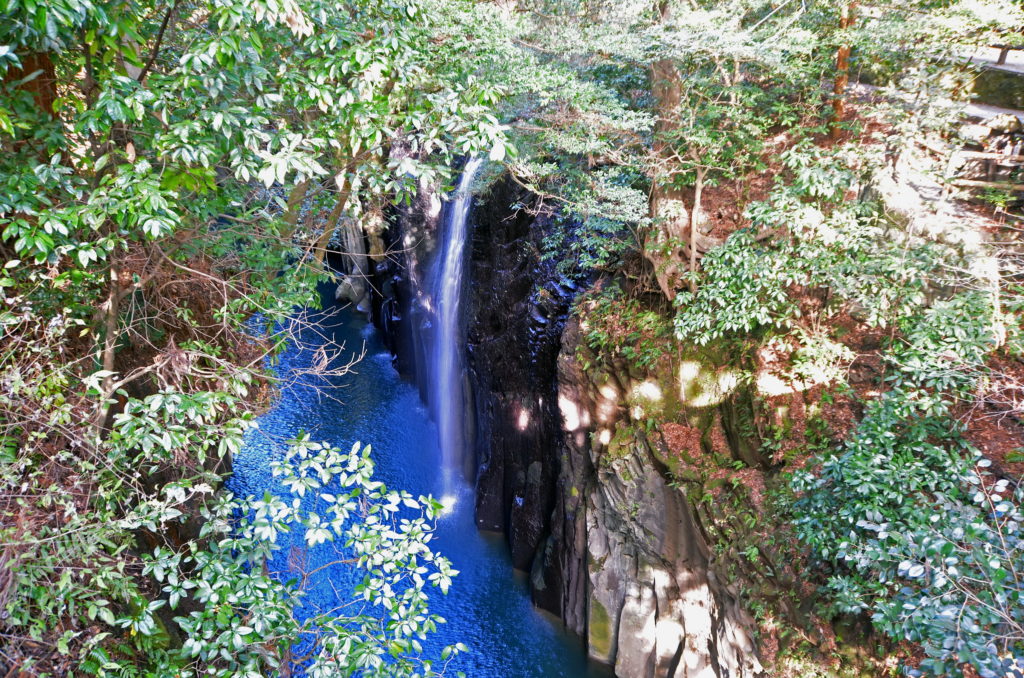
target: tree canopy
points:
(157, 160)
(173, 174)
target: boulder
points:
(976, 134)
(353, 290)
(1005, 123)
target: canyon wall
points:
(581, 489)
(568, 467)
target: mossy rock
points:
(621, 444)
(599, 630)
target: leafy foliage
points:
(745, 287)
(164, 169)
(748, 284)
(880, 510)
(617, 325)
(172, 171)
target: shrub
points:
(919, 534)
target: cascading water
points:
(446, 392)
(489, 607)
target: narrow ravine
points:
(416, 448)
(488, 607)
(419, 448)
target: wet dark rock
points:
(513, 340)
(410, 240)
(613, 549)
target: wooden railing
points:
(1004, 51)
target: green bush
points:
(745, 287)
(616, 325)
(899, 514)
(234, 617)
(918, 533)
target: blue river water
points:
(488, 607)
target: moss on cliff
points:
(599, 630)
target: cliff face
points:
(516, 312)
(566, 466)
(573, 479)
(650, 598)
(400, 294)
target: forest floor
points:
(994, 419)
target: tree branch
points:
(159, 40)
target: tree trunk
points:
(694, 219)
(291, 213)
(665, 249)
(106, 350)
(842, 72)
(44, 86)
(320, 248)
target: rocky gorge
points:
(568, 455)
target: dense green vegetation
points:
(173, 174)
(155, 160)
(679, 100)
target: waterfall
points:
(446, 392)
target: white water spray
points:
(446, 392)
